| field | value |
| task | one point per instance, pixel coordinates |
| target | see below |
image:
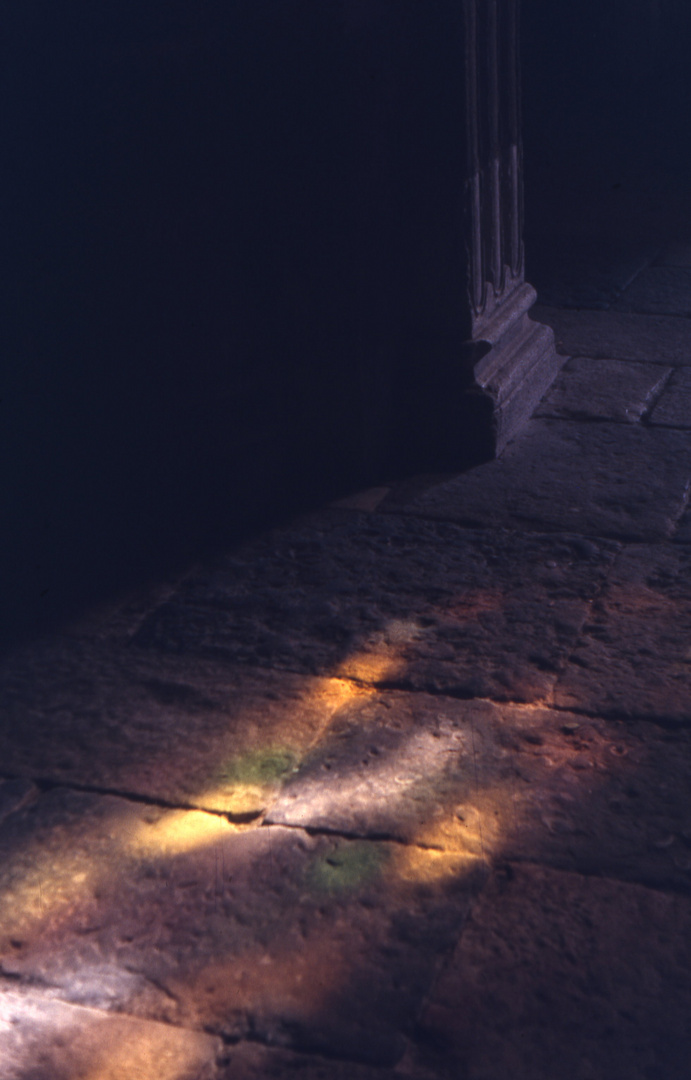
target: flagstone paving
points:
(634, 656)
(604, 390)
(389, 600)
(614, 335)
(625, 481)
(398, 790)
(563, 975)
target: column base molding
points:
(517, 365)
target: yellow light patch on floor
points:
(422, 866)
(179, 831)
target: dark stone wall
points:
(607, 109)
(231, 264)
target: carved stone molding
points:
(513, 359)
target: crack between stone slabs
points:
(444, 961)
(457, 694)
(505, 868)
(154, 982)
(659, 426)
(482, 526)
(28, 985)
(507, 865)
(587, 419)
(45, 784)
(684, 504)
(659, 315)
(620, 290)
(255, 1039)
(372, 838)
(666, 723)
(315, 1056)
(54, 990)
(655, 396)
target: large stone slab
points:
(659, 290)
(603, 390)
(392, 600)
(674, 406)
(634, 658)
(565, 976)
(317, 943)
(184, 732)
(502, 782)
(617, 335)
(614, 480)
(50, 1040)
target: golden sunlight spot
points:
(381, 659)
(240, 799)
(179, 831)
(115, 1049)
(372, 667)
(42, 888)
(477, 826)
(422, 866)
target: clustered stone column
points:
(512, 358)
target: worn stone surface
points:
(674, 406)
(502, 782)
(656, 339)
(191, 733)
(603, 390)
(390, 599)
(614, 480)
(44, 1039)
(318, 943)
(634, 657)
(658, 290)
(559, 975)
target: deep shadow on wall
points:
(231, 275)
(607, 132)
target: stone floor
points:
(400, 790)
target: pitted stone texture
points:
(43, 1039)
(634, 658)
(388, 599)
(614, 480)
(564, 976)
(502, 782)
(674, 407)
(187, 733)
(603, 390)
(659, 290)
(657, 339)
(318, 943)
